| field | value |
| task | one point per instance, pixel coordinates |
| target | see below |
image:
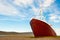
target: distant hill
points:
(6, 33)
(13, 33)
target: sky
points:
(15, 15)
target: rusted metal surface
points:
(41, 28)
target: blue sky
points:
(15, 15)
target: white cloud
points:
(54, 14)
(9, 10)
(36, 10)
(37, 14)
(54, 18)
(25, 2)
(44, 5)
(48, 3)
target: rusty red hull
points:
(41, 28)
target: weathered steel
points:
(41, 28)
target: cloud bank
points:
(20, 8)
(6, 7)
